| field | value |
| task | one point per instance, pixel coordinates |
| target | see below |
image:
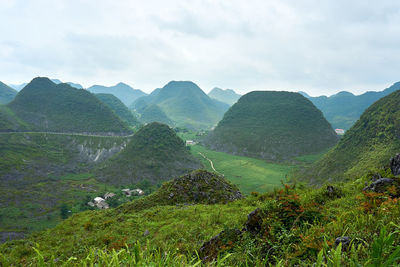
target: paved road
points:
(75, 134)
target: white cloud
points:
(315, 46)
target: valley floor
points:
(249, 174)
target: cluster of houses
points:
(190, 143)
(101, 203)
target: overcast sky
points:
(320, 47)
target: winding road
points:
(74, 134)
(211, 163)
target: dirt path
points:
(211, 163)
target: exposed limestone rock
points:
(395, 164)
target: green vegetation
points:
(342, 110)
(369, 143)
(62, 108)
(7, 93)
(119, 108)
(294, 225)
(249, 174)
(185, 104)
(227, 96)
(277, 126)
(197, 187)
(154, 113)
(124, 92)
(39, 172)
(9, 122)
(155, 153)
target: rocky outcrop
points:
(395, 165)
(223, 241)
(95, 155)
(254, 219)
(380, 185)
(344, 240)
(201, 187)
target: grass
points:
(249, 174)
(298, 227)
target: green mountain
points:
(154, 154)
(343, 109)
(123, 91)
(7, 93)
(227, 96)
(185, 104)
(272, 125)
(154, 113)
(372, 140)
(119, 108)
(62, 108)
(9, 122)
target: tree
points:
(64, 212)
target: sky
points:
(320, 47)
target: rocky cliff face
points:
(51, 155)
(95, 155)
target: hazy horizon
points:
(320, 48)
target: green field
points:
(248, 174)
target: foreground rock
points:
(197, 187)
(395, 165)
(200, 187)
(219, 243)
(344, 240)
(380, 185)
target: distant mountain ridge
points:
(343, 109)
(228, 96)
(185, 104)
(7, 93)
(76, 85)
(17, 87)
(272, 125)
(371, 142)
(61, 108)
(124, 92)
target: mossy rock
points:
(197, 187)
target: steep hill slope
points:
(62, 108)
(154, 113)
(227, 96)
(7, 93)
(272, 125)
(370, 142)
(39, 172)
(119, 108)
(9, 122)
(124, 92)
(343, 109)
(155, 154)
(185, 104)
